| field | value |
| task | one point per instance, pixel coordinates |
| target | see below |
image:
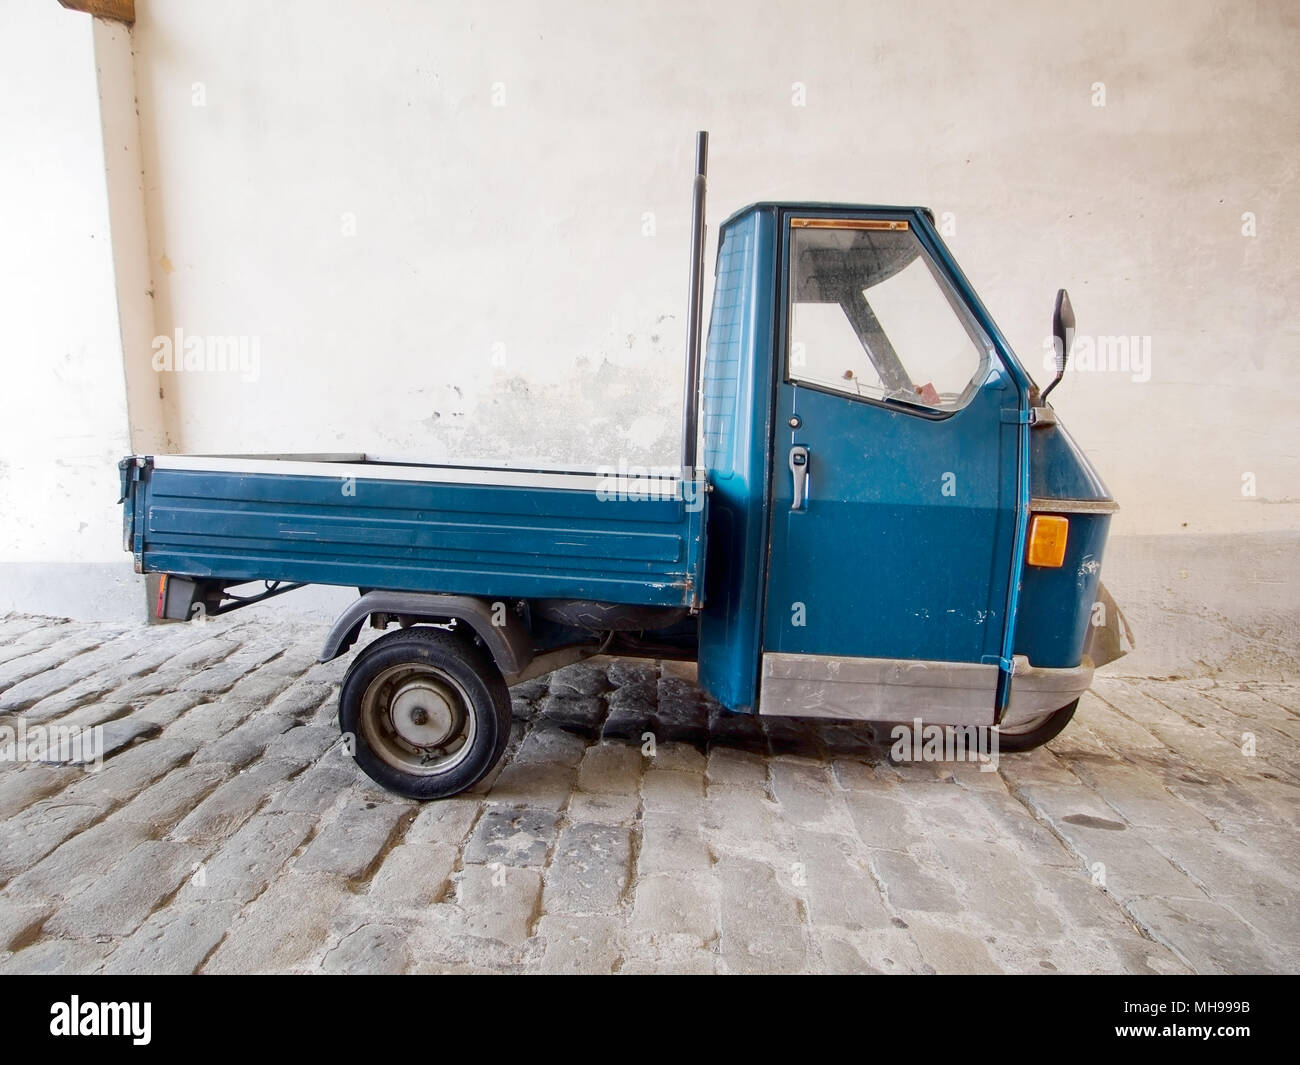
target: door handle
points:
(799, 468)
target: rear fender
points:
(500, 628)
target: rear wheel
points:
(1026, 735)
(428, 712)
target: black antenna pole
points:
(695, 308)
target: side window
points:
(871, 317)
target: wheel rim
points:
(418, 719)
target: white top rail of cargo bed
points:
(627, 481)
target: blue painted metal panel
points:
(1059, 467)
(737, 411)
(469, 539)
(1056, 604)
(880, 561)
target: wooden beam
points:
(120, 10)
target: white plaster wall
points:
(517, 230)
(64, 424)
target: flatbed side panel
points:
(507, 541)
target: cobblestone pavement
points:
(229, 831)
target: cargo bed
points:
(479, 531)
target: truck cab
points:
(898, 528)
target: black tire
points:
(1039, 732)
(425, 684)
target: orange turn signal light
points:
(1047, 535)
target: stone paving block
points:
(1223, 865)
(117, 904)
(303, 744)
(762, 927)
(908, 885)
(610, 768)
(1141, 799)
(54, 657)
(22, 786)
(375, 948)
(741, 732)
(1130, 866)
(29, 692)
(259, 689)
(949, 951)
(161, 805)
(216, 679)
(1208, 936)
(589, 871)
(854, 774)
(242, 745)
(169, 706)
(583, 678)
(80, 861)
(746, 823)
(445, 821)
(625, 672)
(31, 834)
(249, 860)
(21, 920)
(669, 791)
(127, 773)
(840, 957)
(537, 784)
(233, 802)
(1011, 823)
(671, 845)
(551, 745)
(580, 715)
(284, 928)
(499, 902)
(350, 845)
(296, 659)
(23, 636)
(319, 787)
(682, 757)
(807, 798)
(728, 765)
(681, 713)
(1008, 898)
(414, 875)
(579, 944)
(513, 835)
(631, 712)
(668, 904)
(173, 941)
(37, 638)
(604, 809)
(56, 957)
(1273, 912)
(837, 883)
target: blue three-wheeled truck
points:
(886, 522)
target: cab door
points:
(894, 473)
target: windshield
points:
(872, 317)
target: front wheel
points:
(1026, 735)
(428, 712)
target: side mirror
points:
(1063, 336)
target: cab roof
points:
(809, 205)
